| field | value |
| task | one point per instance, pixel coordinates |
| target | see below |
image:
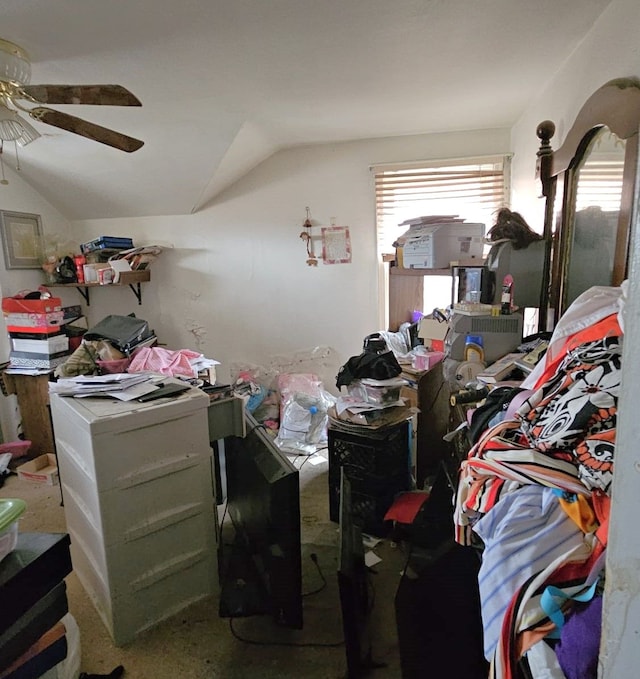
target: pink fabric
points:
(163, 361)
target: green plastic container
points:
(10, 511)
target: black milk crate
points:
(377, 463)
(372, 454)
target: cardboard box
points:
(433, 333)
(42, 469)
(28, 359)
(47, 345)
(33, 330)
(91, 274)
(34, 320)
(13, 305)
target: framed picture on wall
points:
(21, 240)
(336, 245)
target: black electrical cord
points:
(260, 425)
(407, 561)
(257, 642)
(314, 558)
(304, 461)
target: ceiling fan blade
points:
(83, 127)
(100, 95)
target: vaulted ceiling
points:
(226, 83)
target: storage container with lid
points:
(10, 511)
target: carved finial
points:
(545, 130)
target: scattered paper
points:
(28, 371)
(316, 459)
(355, 405)
(128, 394)
(90, 385)
(118, 266)
(369, 541)
(392, 382)
(371, 559)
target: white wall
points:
(18, 196)
(611, 50)
(236, 285)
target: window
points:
(474, 189)
(600, 184)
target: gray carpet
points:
(198, 644)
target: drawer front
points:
(138, 611)
(122, 457)
(149, 575)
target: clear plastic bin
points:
(8, 540)
(10, 512)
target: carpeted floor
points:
(198, 644)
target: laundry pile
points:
(534, 492)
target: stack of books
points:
(36, 332)
(106, 242)
(100, 249)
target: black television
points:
(355, 589)
(261, 573)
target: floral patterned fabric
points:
(563, 436)
(573, 415)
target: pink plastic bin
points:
(16, 448)
(427, 361)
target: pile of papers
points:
(123, 386)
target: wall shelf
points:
(406, 289)
(131, 278)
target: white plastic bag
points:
(303, 425)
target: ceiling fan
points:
(15, 75)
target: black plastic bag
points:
(124, 332)
(496, 402)
(377, 366)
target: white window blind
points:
(474, 189)
(600, 184)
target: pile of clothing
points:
(534, 493)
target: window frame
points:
(435, 172)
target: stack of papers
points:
(357, 405)
(123, 386)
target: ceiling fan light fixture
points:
(15, 128)
(15, 66)
(15, 74)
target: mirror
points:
(588, 185)
(591, 233)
